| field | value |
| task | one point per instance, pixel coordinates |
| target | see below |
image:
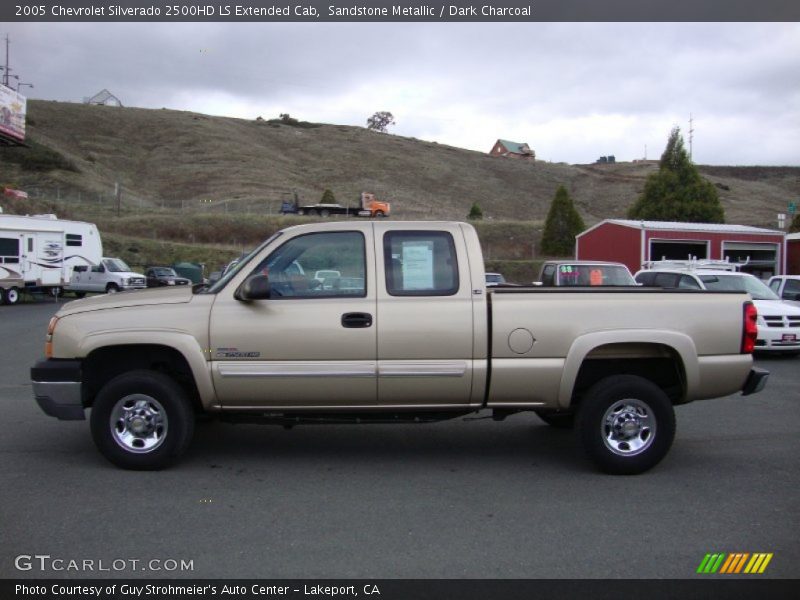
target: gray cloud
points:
(574, 90)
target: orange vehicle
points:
(369, 206)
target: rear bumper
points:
(755, 381)
(57, 388)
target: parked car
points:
(111, 275)
(163, 276)
(584, 273)
(787, 288)
(778, 322)
(420, 340)
(493, 279)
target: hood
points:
(171, 295)
(776, 308)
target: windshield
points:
(739, 283)
(239, 266)
(116, 265)
(594, 275)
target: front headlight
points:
(48, 341)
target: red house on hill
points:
(636, 242)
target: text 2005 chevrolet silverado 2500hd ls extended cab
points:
(398, 327)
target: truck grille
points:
(138, 281)
(779, 321)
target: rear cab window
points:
(420, 263)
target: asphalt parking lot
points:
(458, 499)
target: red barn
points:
(793, 254)
(636, 242)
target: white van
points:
(111, 275)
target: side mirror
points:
(255, 287)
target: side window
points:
(9, 250)
(420, 263)
(792, 287)
(688, 283)
(73, 239)
(665, 280)
(318, 265)
(548, 275)
(774, 285)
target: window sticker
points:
(418, 265)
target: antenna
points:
(691, 134)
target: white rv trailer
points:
(38, 252)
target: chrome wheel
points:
(628, 427)
(138, 423)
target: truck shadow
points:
(522, 442)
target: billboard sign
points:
(12, 114)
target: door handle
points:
(356, 319)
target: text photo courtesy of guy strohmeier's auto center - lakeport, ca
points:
(538, 277)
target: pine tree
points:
(677, 192)
(328, 197)
(562, 225)
(475, 213)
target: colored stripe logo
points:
(735, 563)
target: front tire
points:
(112, 288)
(625, 424)
(142, 420)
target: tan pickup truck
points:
(391, 322)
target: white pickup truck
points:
(111, 275)
(409, 333)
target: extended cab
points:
(406, 332)
(110, 275)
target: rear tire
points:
(142, 420)
(625, 424)
(380, 214)
(80, 294)
(12, 295)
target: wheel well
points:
(655, 362)
(103, 364)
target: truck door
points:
(313, 342)
(425, 316)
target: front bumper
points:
(755, 382)
(57, 388)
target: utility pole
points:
(6, 70)
(691, 134)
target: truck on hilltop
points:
(369, 206)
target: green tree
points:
(562, 225)
(380, 121)
(475, 213)
(795, 226)
(328, 197)
(677, 192)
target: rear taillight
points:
(749, 328)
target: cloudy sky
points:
(573, 91)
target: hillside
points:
(169, 160)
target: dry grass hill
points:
(197, 179)
(170, 158)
